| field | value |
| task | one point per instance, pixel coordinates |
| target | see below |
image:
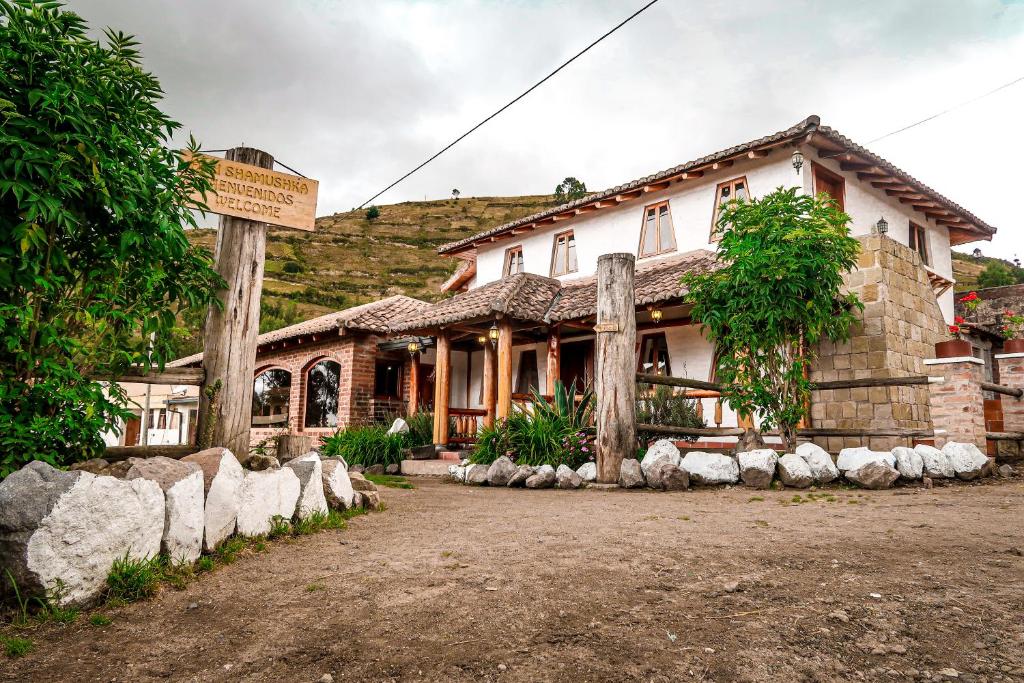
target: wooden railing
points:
(466, 422)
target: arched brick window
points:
(270, 397)
(322, 381)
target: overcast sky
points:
(357, 93)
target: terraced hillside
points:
(350, 259)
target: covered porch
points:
(500, 345)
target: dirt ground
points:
(456, 584)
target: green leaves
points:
(93, 256)
(778, 294)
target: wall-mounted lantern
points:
(482, 339)
(414, 347)
(882, 226)
(492, 334)
(656, 315)
(798, 161)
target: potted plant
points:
(957, 347)
(1013, 326)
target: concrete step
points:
(452, 456)
(428, 468)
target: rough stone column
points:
(1011, 374)
(957, 403)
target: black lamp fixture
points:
(798, 160)
(414, 347)
(492, 334)
(656, 315)
(882, 226)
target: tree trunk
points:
(229, 341)
(291, 446)
(616, 366)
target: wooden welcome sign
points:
(260, 194)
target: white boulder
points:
(853, 458)
(222, 486)
(182, 485)
(935, 463)
(457, 472)
(337, 485)
(501, 471)
(399, 426)
(310, 472)
(873, 474)
(660, 450)
(908, 462)
(794, 471)
(543, 478)
(711, 468)
(265, 495)
(67, 528)
(477, 474)
(567, 478)
(757, 467)
(823, 469)
(631, 475)
(966, 458)
(588, 471)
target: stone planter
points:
(953, 348)
(1013, 346)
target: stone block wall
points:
(900, 324)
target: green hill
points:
(967, 269)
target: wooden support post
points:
(229, 340)
(504, 408)
(615, 384)
(490, 382)
(442, 388)
(554, 357)
(414, 383)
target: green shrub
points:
(99, 620)
(657, 404)
(132, 578)
(372, 213)
(369, 445)
(16, 647)
(279, 526)
(491, 443)
(421, 428)
(292, 267)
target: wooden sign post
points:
(615, 385)
(249, 195)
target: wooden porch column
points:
(554, 358)
(615, 384)
(504, 408)
(414, 383)
(490, 382)
(442, 388)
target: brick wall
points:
(957, 404)
(901, 323)
(1011, 374)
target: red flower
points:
(958, 320)
(954, 329)
(1008, 312)
(972, 296)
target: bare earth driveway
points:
(455, 583)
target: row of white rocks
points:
(66, 528)
(664, 468)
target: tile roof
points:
(374, 317)
(523, 296)
(534, 298)
(812, 124)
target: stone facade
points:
(901, 323)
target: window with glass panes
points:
(919, 242)
(654, 355)
(656, 233)
(513, 261)
(563, 256)
(732, 189)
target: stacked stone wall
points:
(900, 324)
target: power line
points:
(521, 96)
(1004, 86)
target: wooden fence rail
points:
(1002, 389)
(912, 380)
(118, 453)
(169, 376)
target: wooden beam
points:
(626, 196)
(685, 382)
(668, 430)
(504, 401)
(490, 383)
(119, 453)
(442, 388)
(586, 208)
(722, 164)
(609, 203)
(758, 153)
(857, 166)
(554, 348)
(656, 187)
(169, 376)
(881, 182)
(691, 175)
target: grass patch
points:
(16, 647)
(755, 499)
(205, 564)
(132, 578)
(99, 620)
(227, 552)
(314, 587)
(761, 523)
(279, 526)
(390, 480)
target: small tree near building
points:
(776, 296)
(997, 274)
(93, 258)
(569, 190)
(372, 213)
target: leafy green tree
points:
(94, 260)
(570, 189)
(775, 297)
(372, 213)
(996, 274)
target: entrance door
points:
(131, 431)
(576, 363)
(426, 387)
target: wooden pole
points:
(615, 384)
(554, 357)
(442, 388)
(490, 382)
(504, 408)
(414, 383)
(229, 341)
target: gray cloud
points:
(356, 93)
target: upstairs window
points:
(731, 189)
(832, 184)
(654, 356)
(513, 261)
(656, 233)
(563, 257)
(919, 242)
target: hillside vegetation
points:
(968, 269)
(350, 260)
